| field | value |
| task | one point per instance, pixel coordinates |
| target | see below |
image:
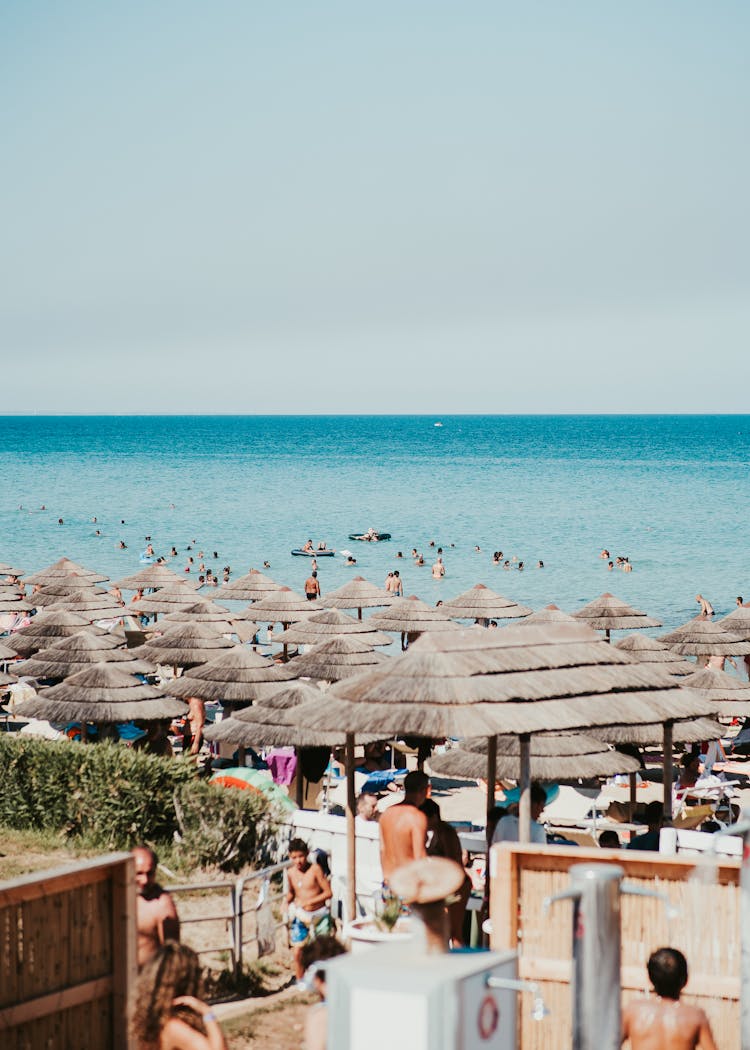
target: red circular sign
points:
(489, 1017)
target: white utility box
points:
(395, 995)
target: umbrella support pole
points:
(351, 834)
(491, 771)
(241, 757)
(524, 784)
(631, 799)
(668, 772)
(300, 784)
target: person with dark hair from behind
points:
(403, 827)
(507, 827)
(169, 1013)
(666, 1023)
(609, 840)
(649, 840)
(316, 1024)
(443, 841)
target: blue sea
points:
(672, 493)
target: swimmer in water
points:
(666, 1023)
(707, 608)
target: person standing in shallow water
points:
(312, 587)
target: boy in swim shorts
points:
(307, 900)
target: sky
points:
(402, 207)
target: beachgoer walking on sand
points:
(156, 915)
(665, 1023)
(307, 900)
(168, 1013)
(707, 608)
(403, 827)
(312, 587)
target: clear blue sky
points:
(402, 206)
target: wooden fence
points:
(68, 957)
(706, 928)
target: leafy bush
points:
(112, 797)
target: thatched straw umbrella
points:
(167, 599)
(481, 603)
(650, 651)
(701, 637)
(411, 617)
(558, 756)
(9, 570)
(249, 588)
(284, 606)
(150, 578)
(359, 594)
(221, 619)
(47, 627)
(103, 693)
(728, 695)
(184, 645)
(737, 621)
(690, 731)
(521, 680)
(68, 656)
(7, 679)
(7, 652)
(61, 569)
(337, 658)
(607, 613)
(16, 603)
(54, 593)
(237, 676)
(549, 614)
(331, 624)
(104, 607)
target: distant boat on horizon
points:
(438, 424)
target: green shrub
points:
(112, 797)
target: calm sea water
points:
(671, 493)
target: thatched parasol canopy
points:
(221, 619)
(61, 569)
(559, 756)
(102, 693)
(701, 637)
(67, 656)
(167, 599)
(249, 588)
(330, 624)
(7, 652)
(411, 615)
(238, 675)
(184, 645)
(273, 722)
(549, 614)
(519, 680)
(151, 577)
(54, 593)
(48, 626)
(728, 695)
(481, 603)
(9, 570)
(691, 731)
(284, 606)
(738, 622)
(7, 679)
(607, 613)
(337, 658)
(104, 607)
(16, 603)
(360, 594)
(650, 651)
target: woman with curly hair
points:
(168, 1013)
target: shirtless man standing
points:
(156, 915)
(403, 827)
(306, 900)
(665, 1023)
(312, 587)
(438, 569)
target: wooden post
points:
(491, 771)
(631, 799)
(668, 771)
(300, 785)
(125, 964)
(351, 834)
(524, 784)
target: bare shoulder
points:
(177, 1035)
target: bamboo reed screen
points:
(67, 957)
(706, 929)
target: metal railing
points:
(238, 909)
